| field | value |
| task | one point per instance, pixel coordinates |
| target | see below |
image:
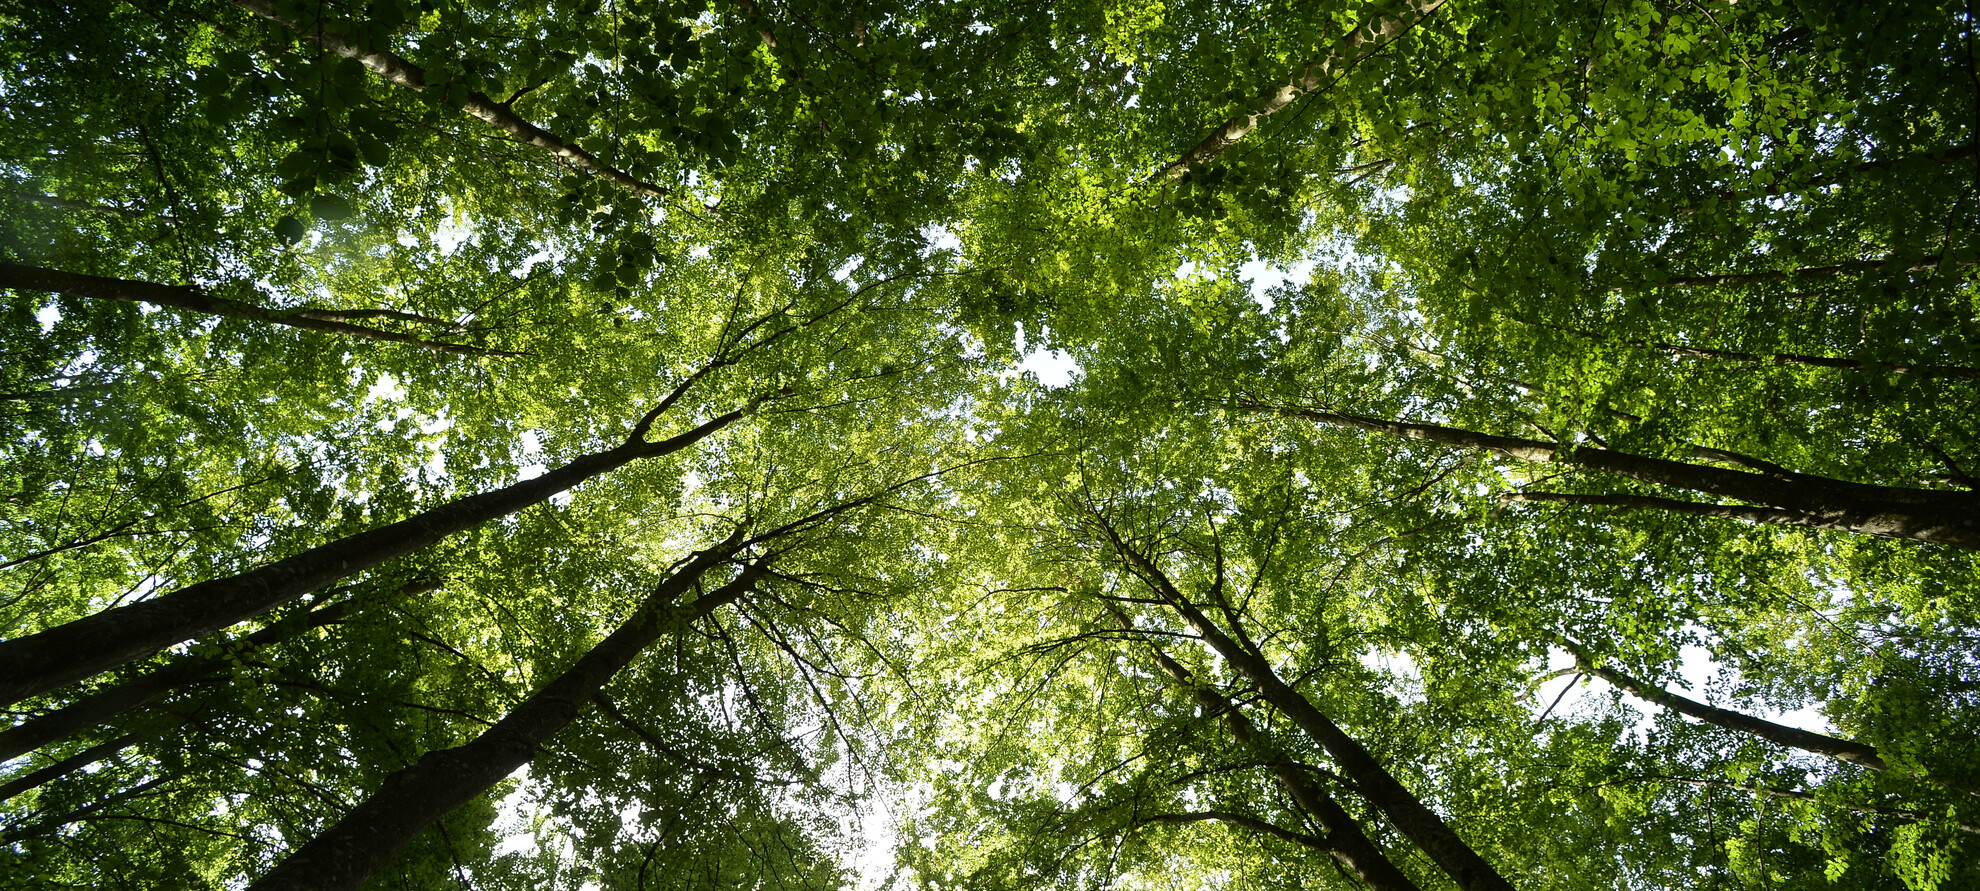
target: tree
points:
(522, 309)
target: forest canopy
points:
(766, 444)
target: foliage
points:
(1723, 235)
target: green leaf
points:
(289, 229)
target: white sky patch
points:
(939, 238)
(512, 822)
(450, 234)
(386, 389)
(532, 447)
(48, 316)
(1263, 277)
(1051, 368)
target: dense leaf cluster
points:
(614, 444)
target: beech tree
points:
(625, 443)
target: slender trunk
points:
(1345, 842)
(399, 71)
(1845, 750)
(1359, 44)
(73, 763)
(103, 705)
(1772, 515)
(374, 832)
(67, 653)
(190, 298)
(50, 824)
(1929, 515)
(1406, 811)
(1827, 746)
(1380, 788)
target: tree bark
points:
(412, 77)
(374, 832)
(1847, 751)
(1345, 842)
(75, 762)
(67, 653)
(1928, 515)
(1844, 750)
(190, 298)
(1380, 788)
(103, 705)
(1359, 44)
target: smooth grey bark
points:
(1848, 751)
(1375, 784)
(1345, 841)
(190, 298)
(375, 831)
(102, 705)
(399, 71)
(41, 662)
(1359, 44)
(77, 761)
(1929, 515)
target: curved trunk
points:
(67, 653)
(1345, 842)
(1359, 44)
(1848, 751)
(189, 298)
(105, 704)
(374, 832)
(1929, 515)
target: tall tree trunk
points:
(75, 762)
(1345, 842)
(189, 298)
(1380, 788)
(1929, 515)
(374, 832)
(1845, 750)
(1359, 44)
(103, 705)
(67, 653)
(399, 71)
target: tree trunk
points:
(374, 832)
(1845, 750)
(67, 653)
(412, 77)
(1345, 842)
(103, 705)
(189, 298)
(1357, 45)
(1928, 515)
(74, 762)
(1380, 788)
(1409, 814)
